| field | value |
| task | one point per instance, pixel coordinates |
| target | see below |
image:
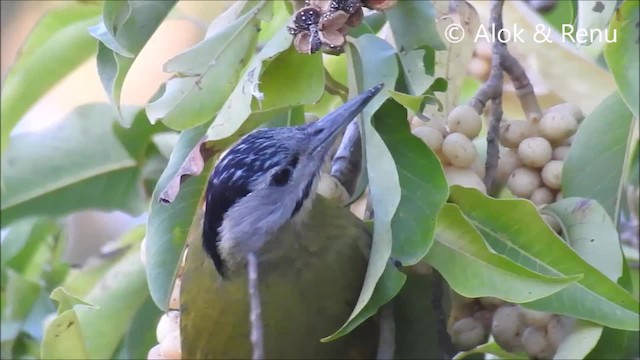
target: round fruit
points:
(459, 150)
(479, 67)
(506, 328)
(478, 167)
(170, 347)
(508, 162)
(155, 353)
(552, 174)
(535, 343)
(542, 196)
(557, 126)
(523, 182)
(174, 301)
(560, 153)
(434, 121)
(464, 177)
(568, 108)
(535, 152)
(464, 119)
(538, 319)
(168, 323)
(430, 136)
(513, 132)
(467, 333)
(557, 328)
(330, 188)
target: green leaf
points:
(416, 75)
(380, 67)
(206, 73)
(280, 89)
(214, 314)
(169, 224)
(117, 297)
(66, 301)
(598, 152)
(68, 167)
(490, 348)
(237, 107)
(63, 339)
(423, 186)
(124, 31)
(413, 103)
(56, 46)
(141, 335)
(20, 296)
(403, 18)
(590, 232)
(621, 55)
(534, 245)
(462, 257)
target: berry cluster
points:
(323, 24)
(168, 329)
(535, 153)
(515, 328)
(451, 140)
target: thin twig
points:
(524, 89)
(387, 338)
(347, 162)
(492, 90)
(334, 87)
(255, 316)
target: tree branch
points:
(255, 314)
(348, 159)
(524, 89)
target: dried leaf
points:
(192, 166)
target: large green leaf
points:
(403, 18)
(599, 152)
(424, 188)
(592, 234)
(241, 103)
(57, 45)
(534, 245)
(63, 338)
(373, 61)
(305, 293)
(168, 225)
(125, 29)
(463, 258)
(281, 90)
(622, 55)
(593, 17)
(21, 294)
(68, 168)
(141, 335)
(490, 348)
(206, 73)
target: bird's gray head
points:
(264, 180)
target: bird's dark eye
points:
(281, 177)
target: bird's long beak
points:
(331, 125)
